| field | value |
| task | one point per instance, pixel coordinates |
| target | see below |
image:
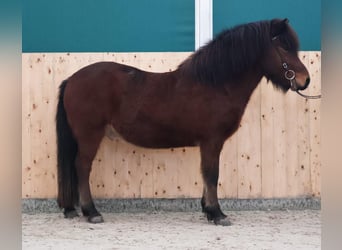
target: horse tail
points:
(68, 195)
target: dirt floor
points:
(175, 230)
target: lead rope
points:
(309, 96)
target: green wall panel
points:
(108, 25)
(150, 25)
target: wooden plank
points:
(189, 178)
(165, 173)
(279, 145)
(40, 151)
(34, 170)
(228, 179)
(146, 170)
(315, 123)
(249, 154)
(48, 129)
(267, 137)
(291, 139)
(194, 179)
(301, 180)
(26, 125)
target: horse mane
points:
(231, 53)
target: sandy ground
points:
(175, 230)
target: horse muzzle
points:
(297, 82)
(295, 86)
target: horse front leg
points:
(210, 157)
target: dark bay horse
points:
(199, 104)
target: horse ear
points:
(278, 26)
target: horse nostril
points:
(307, 81)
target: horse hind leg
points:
(87, 147)
(210, 154)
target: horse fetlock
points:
(214, 213)
(89, 210)
(70, 213)
(93, 215)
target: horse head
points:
(281, 63)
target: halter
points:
(290, 75)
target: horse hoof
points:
(95, 219)
(70, 214)
(222, 222)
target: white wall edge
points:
(203, 22)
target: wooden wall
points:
(275, 153)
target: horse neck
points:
(242, 89)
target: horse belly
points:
(150, 137)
